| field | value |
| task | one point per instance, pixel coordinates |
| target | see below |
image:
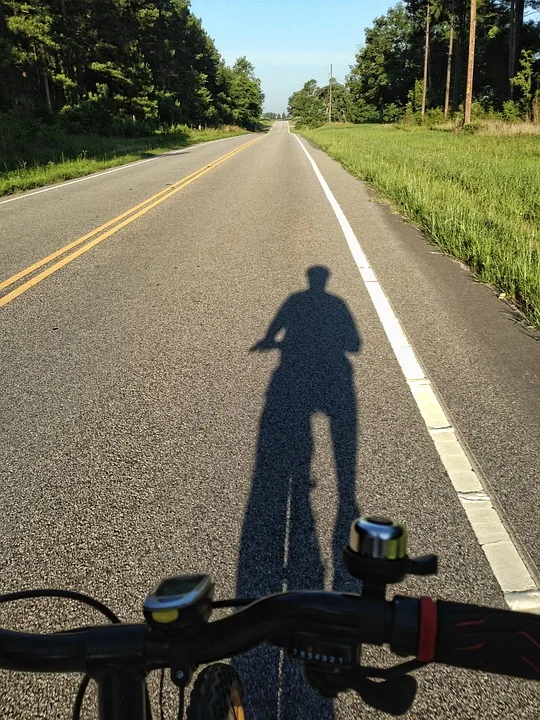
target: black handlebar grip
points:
(497, 641)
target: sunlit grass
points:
(476, 196)
(76, 155)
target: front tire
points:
(216, 695)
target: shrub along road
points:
(143, 438)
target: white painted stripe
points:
(519, 589)
(59, 186)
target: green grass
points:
(70, 156)
(475, 196)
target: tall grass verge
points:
(476, 196)
(52, 156)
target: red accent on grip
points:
(531, 639)
(428, 630)
(471, 622)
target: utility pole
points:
(426, 61)
(330, 98)
(512, 53)
(470, 65)
(449, 66)
(516, 25)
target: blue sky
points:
(289, 41)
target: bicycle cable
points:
(66, 594)
(113, 618)
(69, 595)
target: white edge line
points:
(519, 589)
(92, 176)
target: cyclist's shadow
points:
(279, 548)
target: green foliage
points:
(435, 116)
(388, 71)
(311, 105)
(363, 112)
(392, 113)
(103, 65)
(477, 197)
(510, 111)
(342, 101)
(246, 95)
(527, 81)
(380, 75)
(46, 154)
(274, 116)
(306, 106)
(414, 97)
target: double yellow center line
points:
(103, 232)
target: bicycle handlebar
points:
(498, 641)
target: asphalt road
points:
(142, 437)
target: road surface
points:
(144, 436)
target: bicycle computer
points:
(180, 600)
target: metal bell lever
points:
(377, 555)
(424, 565)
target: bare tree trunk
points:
(47, 92)
(512, 49)
(426, 61)
(3, 25)
(458, 59)
(470, 65)
(517, 9)
(449, 66)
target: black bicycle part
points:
(79, 698)
(479, 638)
(181, 702)
(394, 696)
(235, 602)
(66, 595)
(216, 691)
(119, 656)
(161, 685)
(182, 601)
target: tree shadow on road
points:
(314, 330)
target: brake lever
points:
(393, 692)
(394, 696)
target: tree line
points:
(414, 62)
(119, 67)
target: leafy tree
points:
(307, 106)
(390, 65)
(386, 66)
(119, 65)
(246, 94)
(28, 27)
(528, 82)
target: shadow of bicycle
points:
(314, 331)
